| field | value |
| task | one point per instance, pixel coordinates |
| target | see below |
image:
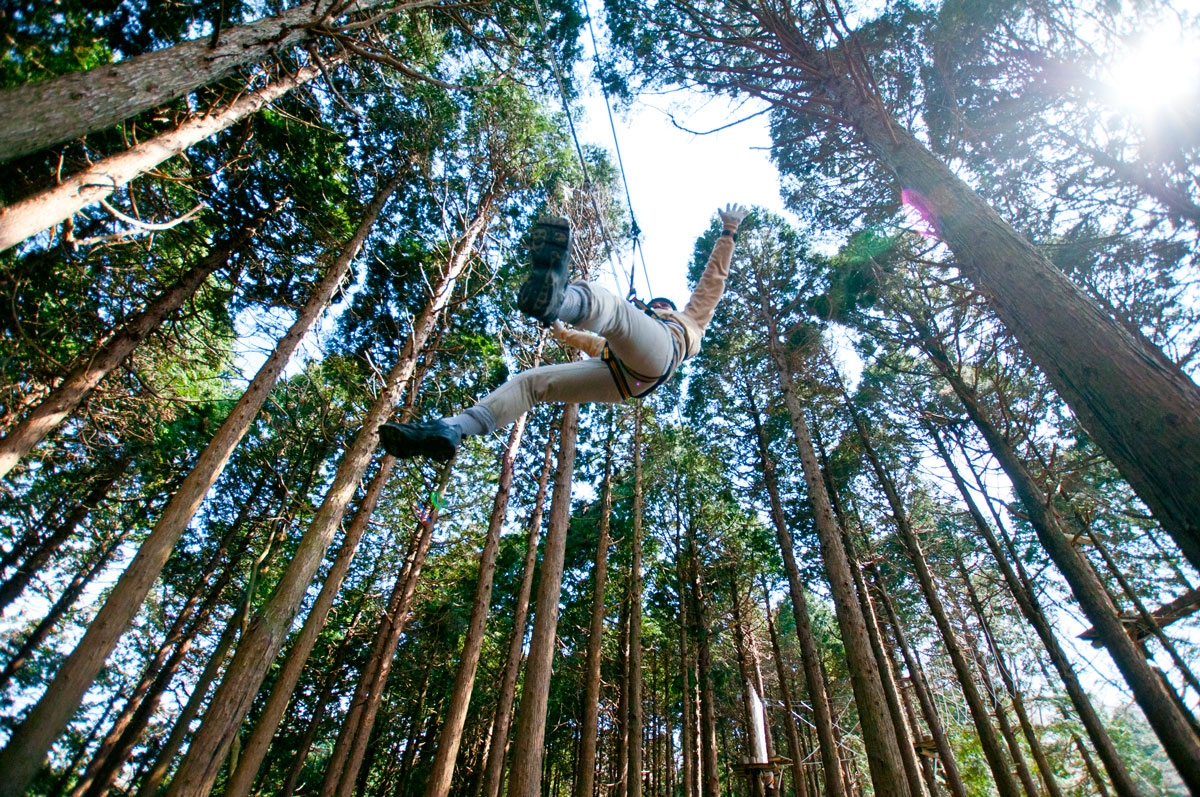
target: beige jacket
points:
(693, 320)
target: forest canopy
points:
(921, 518)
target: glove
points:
(732, 215)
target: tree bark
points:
(924, 696)
(525, 775)
(710, 782)
(31, 740)
(48, 112)
(687, 731)
(1022, 591)
(440, 778)
(52, 410)
(1171, 726)
(585, 776)
(498, 748)
(799, 784)
(27, 217)
(809, 655)
(879, 735)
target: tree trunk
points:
(992, 751)
(585, 776)
(81, 580)
(636, 722)
(456, 714)
(1140, 408)
(1035, 745)
(49, 112)
(255, 747)
(799, 784)
(265, 636)
(710, 782)
(31, 564)
(1026, 597)
(498, 748)
(879, 735)
(525, 775)
(916, 676)
(687, 731)
(31, 740)
(809, 655)
(27, 217)
(1169, 723)
(98, 363)
(1091, 767)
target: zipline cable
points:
(562, 91)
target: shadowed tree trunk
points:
(266, 634)
(687, 731)
(799, 783)
(879, 735)
(526, 771)
(498, 747)
(31, 740)
(585, 776)
(710, 784)
(634, 682)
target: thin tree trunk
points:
(687, 731)
(916, 676)
(31, 564)
(343, 766)
(1023, 718)
(256, 746)
(1093, 772)
(440, 778)
(585, 776)
(1022, 591)
(799, 784)
(634, 682)
(525, 774)
(498, 748)
(621, 722)
(1169, 723)
(166, 756)
(809, 656)
(710, 784)
(992, 751)
(81, 580)
(27, 217)
(265, 636)
(879, 735)
(49, 112)
(31, 740)
(52, 410)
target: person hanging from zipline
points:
(633, 350)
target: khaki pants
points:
(644, 344)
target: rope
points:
(635, 231)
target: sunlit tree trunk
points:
(585, 776)
(92, 367)
(48, 112)
(795, 750)
(498, 747)
(809, 656)
(450, 738)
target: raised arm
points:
(703, 301)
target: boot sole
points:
(549, 250)
(403, 444)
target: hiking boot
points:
(437, 440)
(550, 252)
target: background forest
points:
(237, 237)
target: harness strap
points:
(622, 374)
